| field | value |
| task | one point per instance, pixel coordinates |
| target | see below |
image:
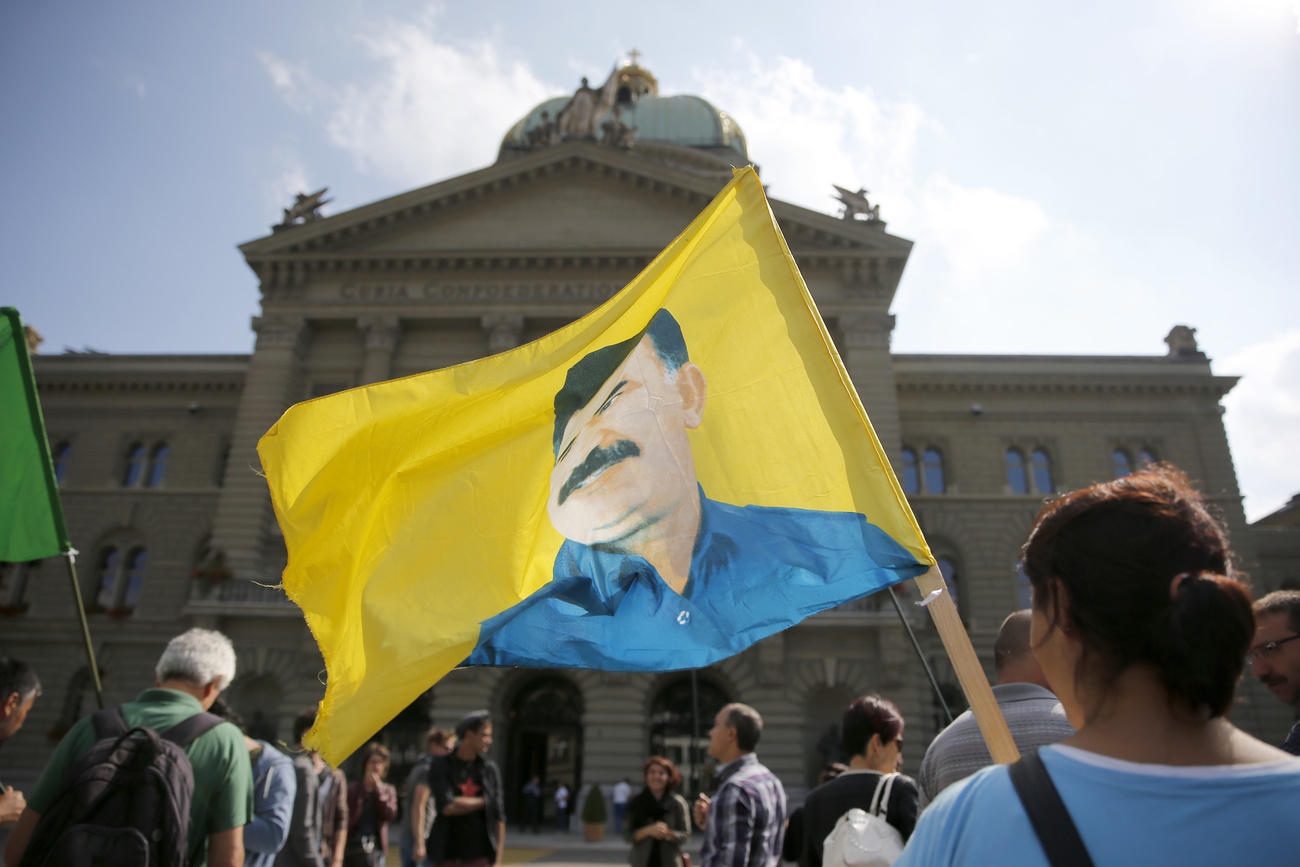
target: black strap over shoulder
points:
(187, 730)
(1047, 813)
(109, 722)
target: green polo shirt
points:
(223, 776)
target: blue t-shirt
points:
(1126, 813)
(754, 571)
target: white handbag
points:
(865, 839)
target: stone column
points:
(866, 355)
(244, 507)
(505, 330)
(380, 334)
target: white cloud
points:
(294, 83)
(291, 181)
(1263, 415)
(434, 109)
(980, 229)
(810, 135)
(425, 110)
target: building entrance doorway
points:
(544, 741)
(680, 719)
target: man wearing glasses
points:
(1275, 655)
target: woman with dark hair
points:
(1142, 629)
(372, 804)
(657, 818)
(871, 732)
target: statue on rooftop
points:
(856, 204)
(1181, 341)
(579, 116)
(305, 208)
(616, 132)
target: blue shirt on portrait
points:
(755, 571)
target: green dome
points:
(683, 120)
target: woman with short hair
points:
(871, 732)
(657, 818)
(1142, 628)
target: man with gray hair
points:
(1275, 655)
(192, 671)
(1033, 713)
(19, 689)
(744, 821)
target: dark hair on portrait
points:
(1281, 602)
(747, 723)
(674, 776)
(472, 722)
(437, 736)
(17, 676)
(586, 376)
(867, 716)
(1105, 558)
(302, 722)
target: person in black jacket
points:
(466, 786)
(872, 734)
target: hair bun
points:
(1199, 639)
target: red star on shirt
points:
(469, 788)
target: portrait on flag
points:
(657, 485)
(652, 573)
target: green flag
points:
(31, 518)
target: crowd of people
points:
(1116, 686)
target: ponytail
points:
(1198, 642)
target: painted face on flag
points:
(624, 461)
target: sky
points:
(1077, 178)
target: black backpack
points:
(125, 802)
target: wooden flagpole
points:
(938, 601)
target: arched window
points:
(157, 465)
(948, 569)
(81, 686)
(14, 578)
(60, 453)
(674, 714)
(134, 578)
(911, 475)
(219, 470)
(1017, 480)
(118, 580)
(135, 461)
(932, 471)
(1123, 466)
(1041, 462)
(1146, 457)
(106, 580)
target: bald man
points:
(1032, 711)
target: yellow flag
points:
(657, 485)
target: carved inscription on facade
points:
(477, 292)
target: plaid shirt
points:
(746, 817)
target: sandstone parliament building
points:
(156, 453)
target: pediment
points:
(577, 198)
